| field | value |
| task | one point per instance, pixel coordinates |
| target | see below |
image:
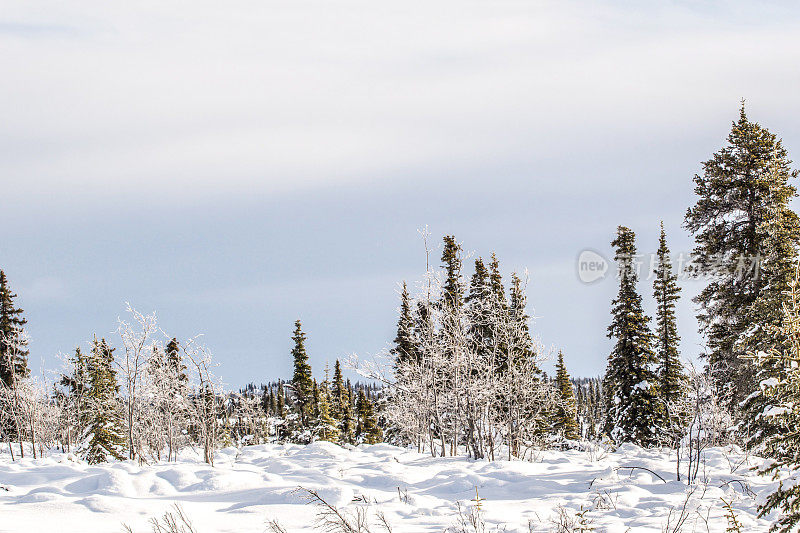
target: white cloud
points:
(190, 98)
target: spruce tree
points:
(352, 406)
(496, 281)
(517, 308)
(13, 345)
(746, 236)
(453, 288)
(565, 422)
(405, 348)
(783, 396)
(340, 405)
(672, 379)
(629, 384)
(367, 430)
(302, 383)
(326, 426)
(173, 357)
(268, 402)
(501, 307)
(780, 251)
(592, 412)
(78, 385)
(279, 402)
(314, 410)
(480, 312)
(106, 437)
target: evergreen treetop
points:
(480, 311)
(405, 348)
(496, 282)
(453, 289)
(521, 348)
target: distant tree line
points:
(149, 397)
(304, 409)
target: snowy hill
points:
(415, 492)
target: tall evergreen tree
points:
(629, 385)
(303, 384)
(173, 358)
(783, 443)
(326, 426)
(13, 346)
(367, 430)
(671, 377)
(453, 288)
(340, 405)
(405, 347)
(496, 281)
(499, 300)
(314, 408)
(78, 385)
(566, 420)
(279, 402)
(106, 436)
(480, 311)
(519, 319)
(747, 236)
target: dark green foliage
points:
(453, 288)
(629, 384)
(106, 436)
(496, 282)
(280, 403)
(523, 345)
(405, 347)
(499, 300)
(742, 215)
(326, 426)
(78, 385)
(589, 399)
(168, 368)
(367, 430)
(13, 346)
(175, 362)
(565, 422)
(480, 312)
(782, 396)
(341, 406)
(302, 383)
(671, 376)
(314, 405)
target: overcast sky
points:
(238, 165)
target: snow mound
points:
(628, 488)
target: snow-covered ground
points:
(416, 493)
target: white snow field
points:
(415, 492)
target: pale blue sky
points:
(235, 167)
